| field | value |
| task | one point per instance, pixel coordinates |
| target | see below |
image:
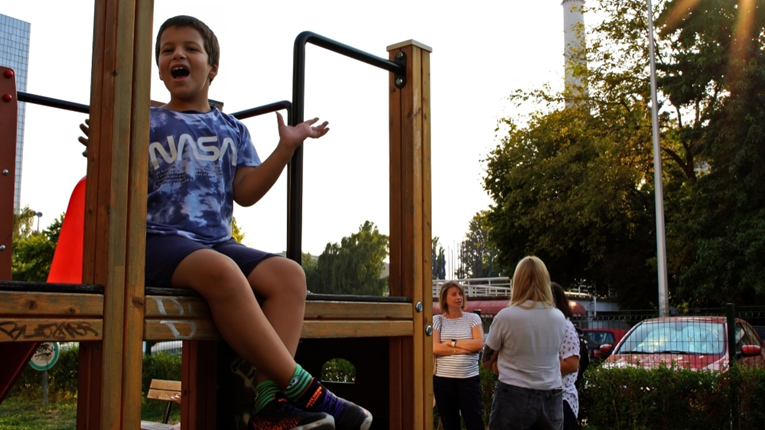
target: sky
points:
(482, 52)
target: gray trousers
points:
(516, 408)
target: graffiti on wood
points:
(48, 331)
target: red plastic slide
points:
(65, 268)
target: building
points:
(573, 44)
(14, 53)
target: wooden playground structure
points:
(111, 312)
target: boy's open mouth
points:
(179, 72)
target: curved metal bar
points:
(295, 167)
(348, 51)
(261, 110)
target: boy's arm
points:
(252, 183)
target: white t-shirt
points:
(570, 347)
(459, 365)
(528, 341)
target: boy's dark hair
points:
(211, 42)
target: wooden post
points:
(115, 215)
(410, 236)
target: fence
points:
(695, 338)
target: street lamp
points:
(661, 247)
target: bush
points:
(62, 379)
(673, 398)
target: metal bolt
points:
(8, 73)
(399, 55)
(7, 97)
(2, 248)
(429, 331)
(418, 307)
(5, 172)
(399, 81)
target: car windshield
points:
(676, 337)
(599, 336)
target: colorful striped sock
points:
(298, 383)
(264, 394)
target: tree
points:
(722, 53)
(438, 259)
(575, 186)
(32, 250)
(354, 266)
(476, 252)
(236, 232)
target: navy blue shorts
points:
(165, 253)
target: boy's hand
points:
(293, 136)
(84, 139)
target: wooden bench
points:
(161, 389)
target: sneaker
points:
(283, 415)
(348, 415)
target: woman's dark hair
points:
(561, 302)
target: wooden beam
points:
(113, 221)
(195, 307)
(59, 304)
(138, 178)
(50, 329)
(411, 228)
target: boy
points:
(201, 161)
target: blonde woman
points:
(522, 347)
(457, 340)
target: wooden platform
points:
(38, 312)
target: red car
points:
(698, 343)
(600, 336)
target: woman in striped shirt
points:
(457, 340)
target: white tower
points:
(573, 41)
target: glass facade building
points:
(14, 53)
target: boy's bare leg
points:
(236, 312)
(280, 282)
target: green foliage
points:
(488, 384)
(32, 250)
(438, 259)
(18, 414)
(663, 398)
(161, 365)
(476, 252)
(62, 379)
(62, 389)
(236, 232)
(354, 266)
(574, 185)
(673, 398)
(338, 370)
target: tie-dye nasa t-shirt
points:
(193, 157)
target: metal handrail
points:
(295, 167)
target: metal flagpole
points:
(661, 247)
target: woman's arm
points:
(474, 345)
(569, 365)
(443, 348)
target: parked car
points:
(698, 343)
(760, 329)
(598, 336)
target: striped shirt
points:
(460, 365)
